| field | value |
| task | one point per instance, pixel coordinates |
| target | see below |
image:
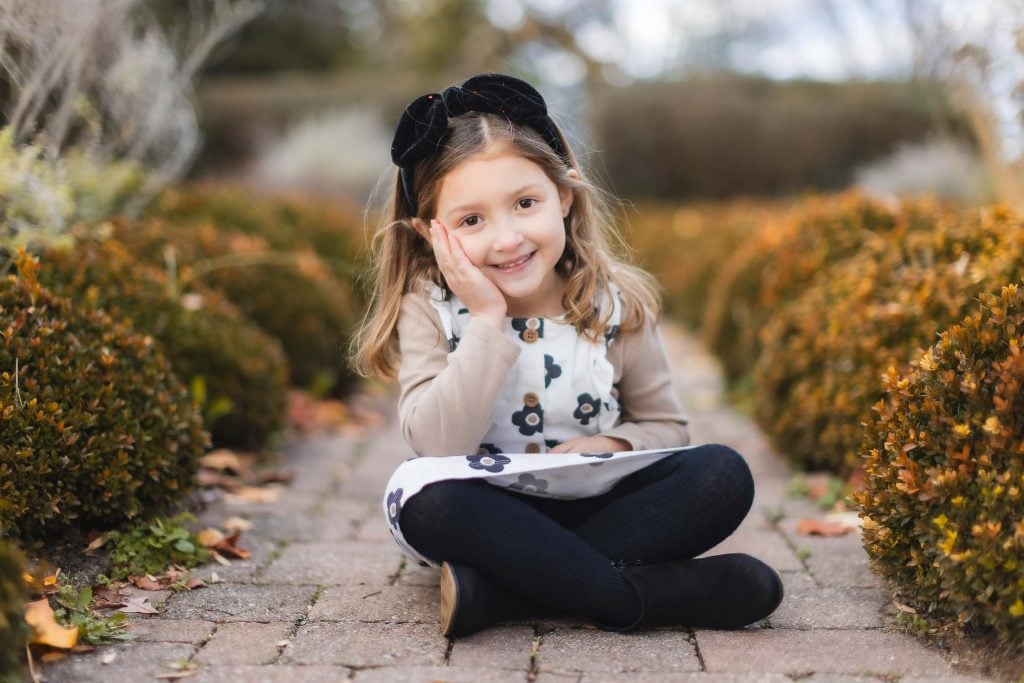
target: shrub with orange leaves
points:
(943, 504)
(94, 427)
(785, 256)
(683, 246)
(820, 369)
(12, 613)
(242, 370)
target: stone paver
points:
(327, 596)
(821, 651)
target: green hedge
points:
(94, 427)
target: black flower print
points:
(463, 311)
(529, 420)
(602, 456)
(488, 448)
(453, 343)
(528, 482)
(610, 334)
(587, 408)
(551, 370)
(524, 326)
(551, 443)
(489, 462)
(394, 506)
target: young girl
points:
(554, 475)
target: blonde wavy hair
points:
(594, 256)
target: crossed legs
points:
(563, 553)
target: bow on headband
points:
(424, 124)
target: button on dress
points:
(559, 388)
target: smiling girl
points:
(554, 472)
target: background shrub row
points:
(840, 312)
(117, 352)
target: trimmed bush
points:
(684, 246)
(12, 614)
(243, 371)
(294, 296)
(824, 353)
(94, 427)
(942, 505)
(785, 256)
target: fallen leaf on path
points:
(226, 546)
(52, 656)
(96, 543)
(150, 583)
(210, 537)
(108, 658)
(253, 494)
(140, 605)
(817, 527)
(106, 597)
(220, 558)
(222, 459)
(232, 524)
(45, 629)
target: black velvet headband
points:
(424, 124)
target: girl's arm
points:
(446, 401)
(651, 413)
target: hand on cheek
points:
(481, 296)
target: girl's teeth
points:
(515, 263)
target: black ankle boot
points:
(471, 603)
(721, 591)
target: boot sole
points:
(449, 599)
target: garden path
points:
(327, 596)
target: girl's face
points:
(509, 218)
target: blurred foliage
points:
(722, 135)
(242, 371)
(785, 255)
(685, 245)
(13, 631)
(943, 503)
(94, 427)
(41, 198)
(824, 351)
(291, 295)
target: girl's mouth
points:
(518, 264)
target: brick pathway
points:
(327, 596)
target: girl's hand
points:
(591, 444)
(481, 296)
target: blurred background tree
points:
(762, 98)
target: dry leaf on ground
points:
(222, 459)
(253, 494)
(45, 629)
(140, 605)
(232, 524)
(105, 597)
(817, 527)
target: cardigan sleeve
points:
(446, 401)
(652, 416)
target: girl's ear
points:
(565, 193)
(421, 227)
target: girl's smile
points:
(509, 218)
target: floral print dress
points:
(560, 388)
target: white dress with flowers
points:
(560, 388)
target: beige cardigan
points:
(446, 400)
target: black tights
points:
(563, 553)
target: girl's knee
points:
(725, 464)
(440, 500)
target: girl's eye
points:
(526, 202)
(471, 221)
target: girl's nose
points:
(508, 236)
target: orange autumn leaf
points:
(45, 629)
(817, 527)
